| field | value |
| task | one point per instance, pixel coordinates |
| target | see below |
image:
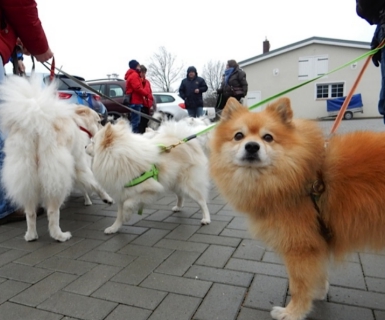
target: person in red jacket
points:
(149, 104)
(18, 19)
(134, 87)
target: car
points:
(114, 88)
(166, 102)
(74, 92)
(171, 104)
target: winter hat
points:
(133, 64)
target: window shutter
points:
(322, 65)
(304, 68)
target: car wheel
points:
(348, 115)
(113, 116)
(169, 116)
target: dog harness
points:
(317, 188)
(152, 173)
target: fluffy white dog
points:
(44, 150)
(198, 125)
(121, 156)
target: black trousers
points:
(143, 121)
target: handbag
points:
(127, 99)
(237, 92)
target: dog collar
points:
(86, 131)
(152, 173)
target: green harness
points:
(152, 173)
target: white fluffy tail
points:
(37, 161)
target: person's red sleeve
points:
(22, 16)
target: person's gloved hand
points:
(376, 58)
(378, 37)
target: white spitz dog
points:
(44, 150)
(121, 156)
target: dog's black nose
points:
(252, 147)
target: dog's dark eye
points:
(268, 138)
(238, 136)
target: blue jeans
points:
(378, 34)
(196, 112)
(6, 207)
(135, 118)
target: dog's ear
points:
(282, 108)
(232, 106)
(121, 122)
(80, 110)
(108, 135)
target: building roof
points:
(303, 43)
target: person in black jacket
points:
(373, 11)
(191, 90)
(234, 84)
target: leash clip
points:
(168, 148)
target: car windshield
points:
(65, 83)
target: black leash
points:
(83, 84)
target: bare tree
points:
(212, 73)
(163, 70)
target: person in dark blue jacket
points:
(373, 11)
(191, 90)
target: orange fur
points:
(274, 191)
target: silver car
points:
(173, 105)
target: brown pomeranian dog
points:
(308, 200)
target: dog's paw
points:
(108, 201)
(88, 202)
(110, 230)
(205, 221)
(176, 209)
(280, 313)
(63, 236)
(30, 236)
(322, 294)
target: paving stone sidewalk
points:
(165, 266)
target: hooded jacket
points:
(187, 90)
(373, 11)
(134, 85)
(237, 79)
(20, 19)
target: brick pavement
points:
(164, 266)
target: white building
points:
(274, 71)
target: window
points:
(98, 87)
(311, 67)
(116, 91)
(330, 90)
(163, 98)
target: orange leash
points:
(344, 106)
